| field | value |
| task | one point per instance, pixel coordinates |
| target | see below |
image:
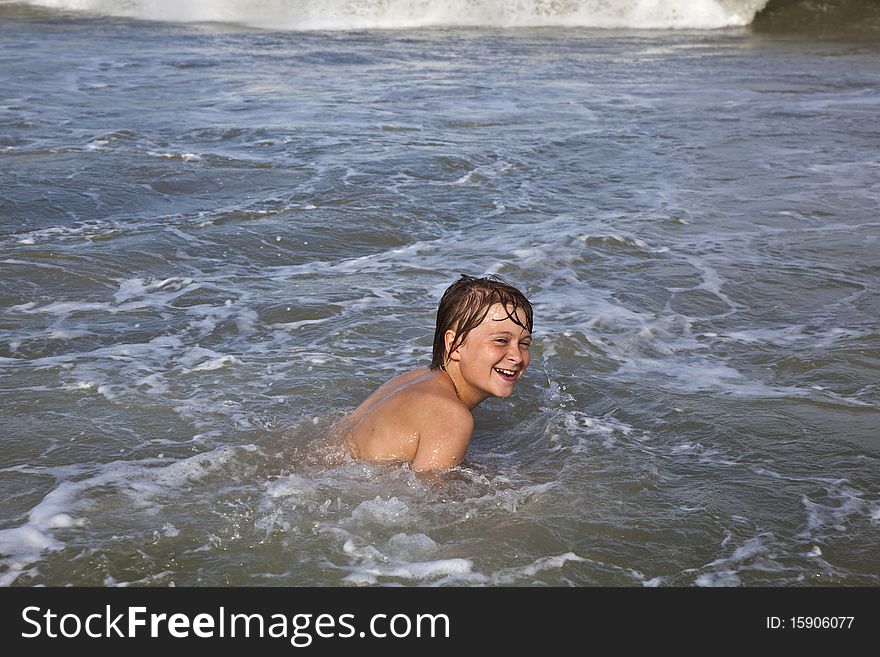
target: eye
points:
(501, 340)
(525, 345)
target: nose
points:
(514, 355)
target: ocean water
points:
(223, 224)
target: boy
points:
(423, 417)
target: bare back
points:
(415, 417)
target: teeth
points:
(506, 372)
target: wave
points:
(398, 14)
(763, 15)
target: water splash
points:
(402, 14)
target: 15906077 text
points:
(810, 622)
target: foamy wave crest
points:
(394, 14)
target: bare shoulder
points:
(415, 417)
(432, 403)
(446, 411)
(445, 429)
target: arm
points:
(444, 437)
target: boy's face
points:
(495, 354)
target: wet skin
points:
(424, 417)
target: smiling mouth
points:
(507, 375)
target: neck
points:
(468, 397)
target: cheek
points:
(488, 357)
(478, 359)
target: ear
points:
(449, 339)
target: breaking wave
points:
(401, 14)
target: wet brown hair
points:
(465, 305)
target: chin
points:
(504, 393)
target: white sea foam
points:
(577, 431)
(216, 363)
(724, 571)
(409, 557)
(720, 578)
(508, 499)
(66, 334)
(134, 288)
(366, 575)
(528, 572)
(131, 295)
(412, 547)
(390, 512)
(195, 356)
(87, 230)
(834, 516)
(185, 157)
(67, 505)
(80, 385)
(405, 556)
(361, 14)
(60, 307)
(23, 545)
(796, 335)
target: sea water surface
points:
(218, 236)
